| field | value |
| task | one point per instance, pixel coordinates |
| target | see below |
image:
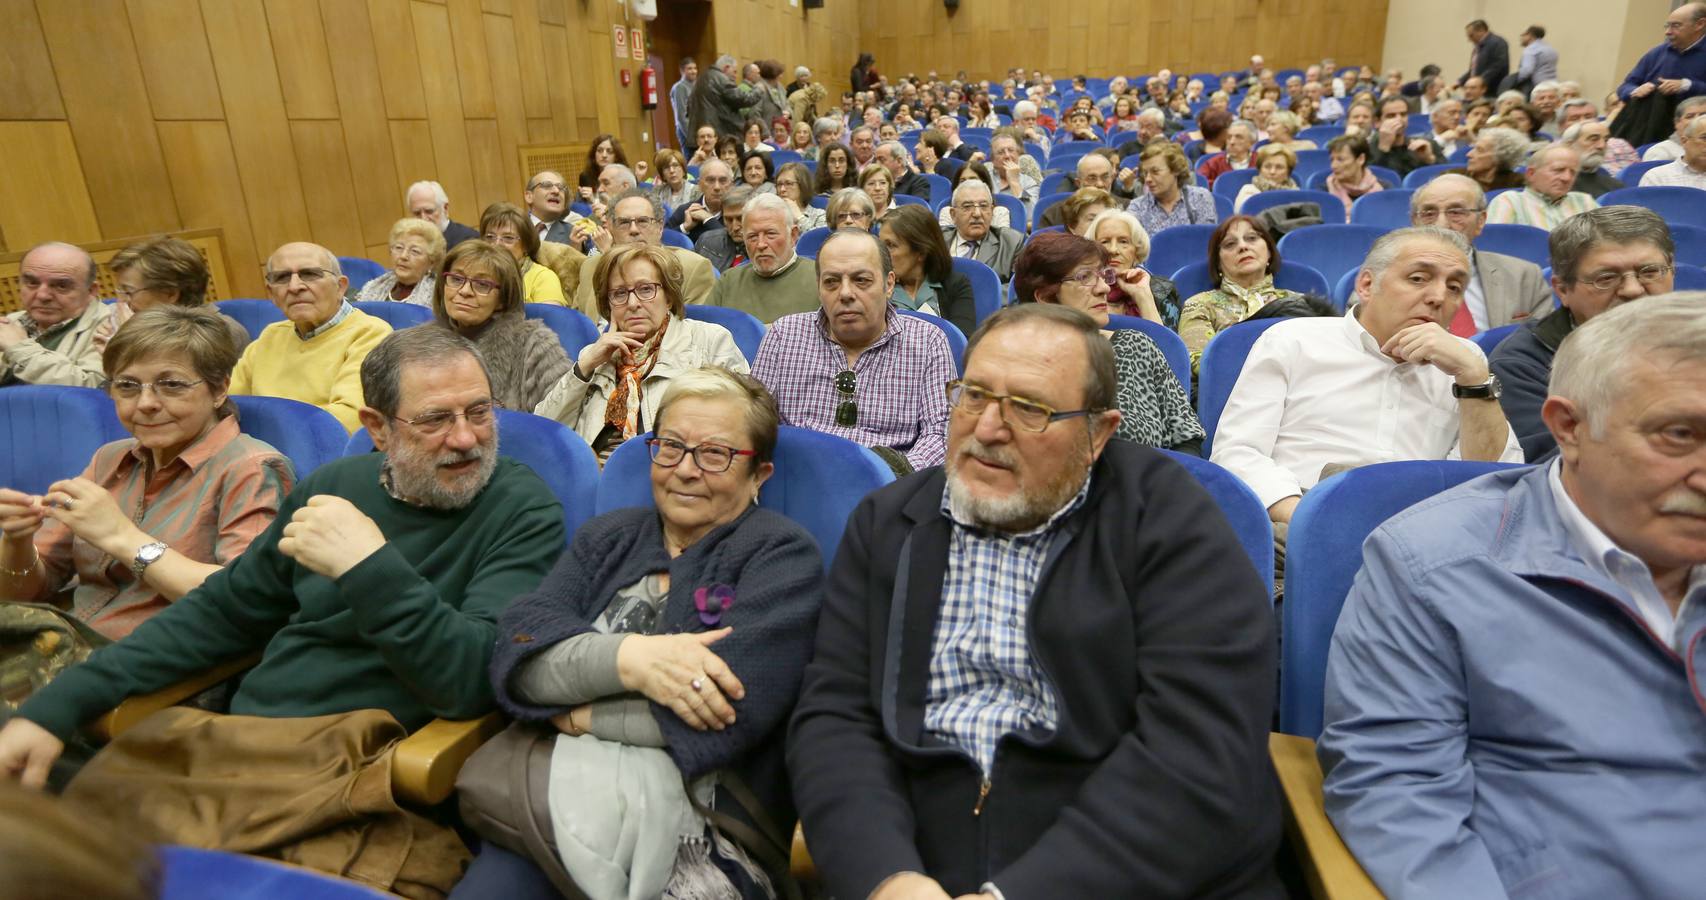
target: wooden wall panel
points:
(507, 94)
(491, 182)
(210, 195)
(298, 41)
(411, 141)
(361, 100)
(438, 65)
(42, 193)
(326, 185)
(399, 65)
(28, 89)
(171, 42)
(473, 65)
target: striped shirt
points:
(1677, 174)
(1530, 207)
(899, 383)
(983, 683)
(208, 504)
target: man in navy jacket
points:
(1044, 669)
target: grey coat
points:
(1513, 288)
(997, 250)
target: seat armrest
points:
(134, 709)
(424, 770)
(1327, 864)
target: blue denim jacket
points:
(1501, 723)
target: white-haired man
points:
(58, 336)
(1589, 140)
(974, 234)
(1548, 199)
(1501, 289)
(427, 200)
(1671, 148)
(1025, 119)
(1689, 169)
(893, 156)
(776, 281)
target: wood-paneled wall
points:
(1103, 38)
(823, 40)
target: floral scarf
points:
(622, 412)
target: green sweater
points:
(769, 299)
(409, 630)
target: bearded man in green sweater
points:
(377, 587)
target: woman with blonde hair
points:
(1274, 165)
(417, 247)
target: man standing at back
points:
(1539, 61)
(1044, 668)
(58, 336)
(716, 99)
(680, 96)
(1491, 58)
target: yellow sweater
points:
(541, 285)
(324, 370)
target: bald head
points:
(306, 283)
(1455, 202)
(56, 282)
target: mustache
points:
(1685, 502)
(978, 450)
(456, 457)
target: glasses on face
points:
(1458, 214)
(975, 206)
(636, 222)
(855, 218)
(1649, 276)
(644, 292)
(1088, 278)
(507, 239)
(126, 293)
(454, 281)
(407, 252)
(1017, 412)
(549, 185)
(710, 458)
(437, 422)
(847, 411)
(165, 388)
(309, 276)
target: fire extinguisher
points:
(648, 87)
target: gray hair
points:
(1592, 368)
(1578, 103)
(895, 149)
(1537, 157)
(438, 194)
(1153, 116)
(715, 161)
(1572, 238)
(975, 184)
(801, 72)
(625, 175)
(1248, 126)
(738, 196)
(883, 256)
(1511, 95)
(1024, 108)
(826, 125)
(846, 196)
(724, 60)
(1692, 129)
(635, 193)
(382, 370)
(1446, 180)
(760, 415)
(769, 201)
(1546, 86)
(1688, 106)
(1509, 145)
(328, 259)
(1385, 250)
(1134, 229)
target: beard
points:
(1592, 161)
(414, 473)
(1020, 511)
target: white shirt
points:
(1662, 151)
(1446, 146)
(1676, 174)
(1318, 391)
(1621, 567)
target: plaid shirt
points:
(899, 383)
(983, 684)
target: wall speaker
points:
(951, 4)
(814, 4)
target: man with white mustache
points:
(1514, 689)
(1025, 652)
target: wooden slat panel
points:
(304, 68)
(399, 67)
(530, 55)
(562, 77)
(506, 89)
(260, 133)
(42, 193)
(171, 42)
(326, 185)
(490, 184)
(210, 194)
(28, 89)
(497, 7)
(552, 12)
(411, 142)
(361, 98)
(539, 131)
(444, 101)
(473, 68)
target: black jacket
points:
(1595, 183)
(957, 303)
(456, 232)
(1523, 363)
(716, 101)
(914, 184)
(1158, 638)
(1491, 60)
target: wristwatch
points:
(147, 555)
(1488, 390)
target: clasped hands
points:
(677, 671)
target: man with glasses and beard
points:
(855, 367)
(315, 354)
(375, 593)
(1024, 654)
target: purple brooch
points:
(712, 601)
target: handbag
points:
(37, 642)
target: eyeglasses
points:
(1454, 213)
(1607, 281)
(548, 185)
(1088, 278)
(165, 388)
(1017, 412)
(454, 281)
(435, 423)
(711, 458)
(506, 240)
(636, 222)
(852, 217)
(975, 206)
(847, 411)
(644, 292)
(407, 252)
(126, 293)
(308, 276)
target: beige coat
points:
(697, 279)
(77, 362)
(687, 345)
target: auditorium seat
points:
(1521, 241)
(50, 433)
(1490, 338)
(1332, 209)
(1676, 204)
(1243, 511)
(253, 315)
(743, 326)
(673, 238)
(985, 286)
(1171, 249)
(1172, 346)
(1222, 361)
(397, 315)
(307, 435)
(811, 241)
(1330, 249)
(1386, 209)
(1424, 174)
(360, 270)
(1194, 279)
(956, 337)
(572, 327)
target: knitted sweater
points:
(324, 370)
(769, 299)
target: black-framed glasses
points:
(847, 411)
(309, 276)
(1017, 412)
(438, 422)
(712, 458)
(455, 281)
(168, 388)
(1649, 276)
(644, 292)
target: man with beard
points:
(776, 281)
(1024, 652)
(377, 588)
(1588, 139)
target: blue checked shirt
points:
(983, 682)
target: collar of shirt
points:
(1621, 567)
(961, 242)
(36, 332)
(1691, 46)
(1545, 200)
(962, 519)
(1359, 336)
(889, 316)
(201, 449)
(780, 270)
(343, 313)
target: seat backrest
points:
(1521, 241)
(783, 157)
(192, 873)
(909, 200)
(1243, 510)
(1384, 209)
(1332, 209)
(811, 241)
(307, 435)
(1330, 249)
(253, 315)
(397, 315)
(743, 326)
(819, 201)
(359, 270)
(1388, 178)
(985, 286)
(941, 190)
(1167, 340)
(819, 478)
(956, 337)
(1419, 123)
(1171, 249)
(1322, 557)
(1304, 279)
(1631, 174)
(1490, 338)
(49, 433)
(554, 452)
(1320, 134)
(1690, 244)
(1222, 205)
(1423, 174)
(1054, 184)
(1675, 204)
(1222, 361)
(673, 238)
(1690, 278)
(574, 330)
(1343, 289)
(1309, 162)
(1015, 212)
(1230, 183)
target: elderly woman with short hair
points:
(1136, 291)
(1493, 158)
(878, 184)
(417, 247)
(1170, 193)
(164, 271)
(794, 184)
(151, 516)
(479, 296)
(1283, 126)
(1274, 165)
(850, 208)
(672, 186)
(507, 226)
(613, 390)
(664, 651)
